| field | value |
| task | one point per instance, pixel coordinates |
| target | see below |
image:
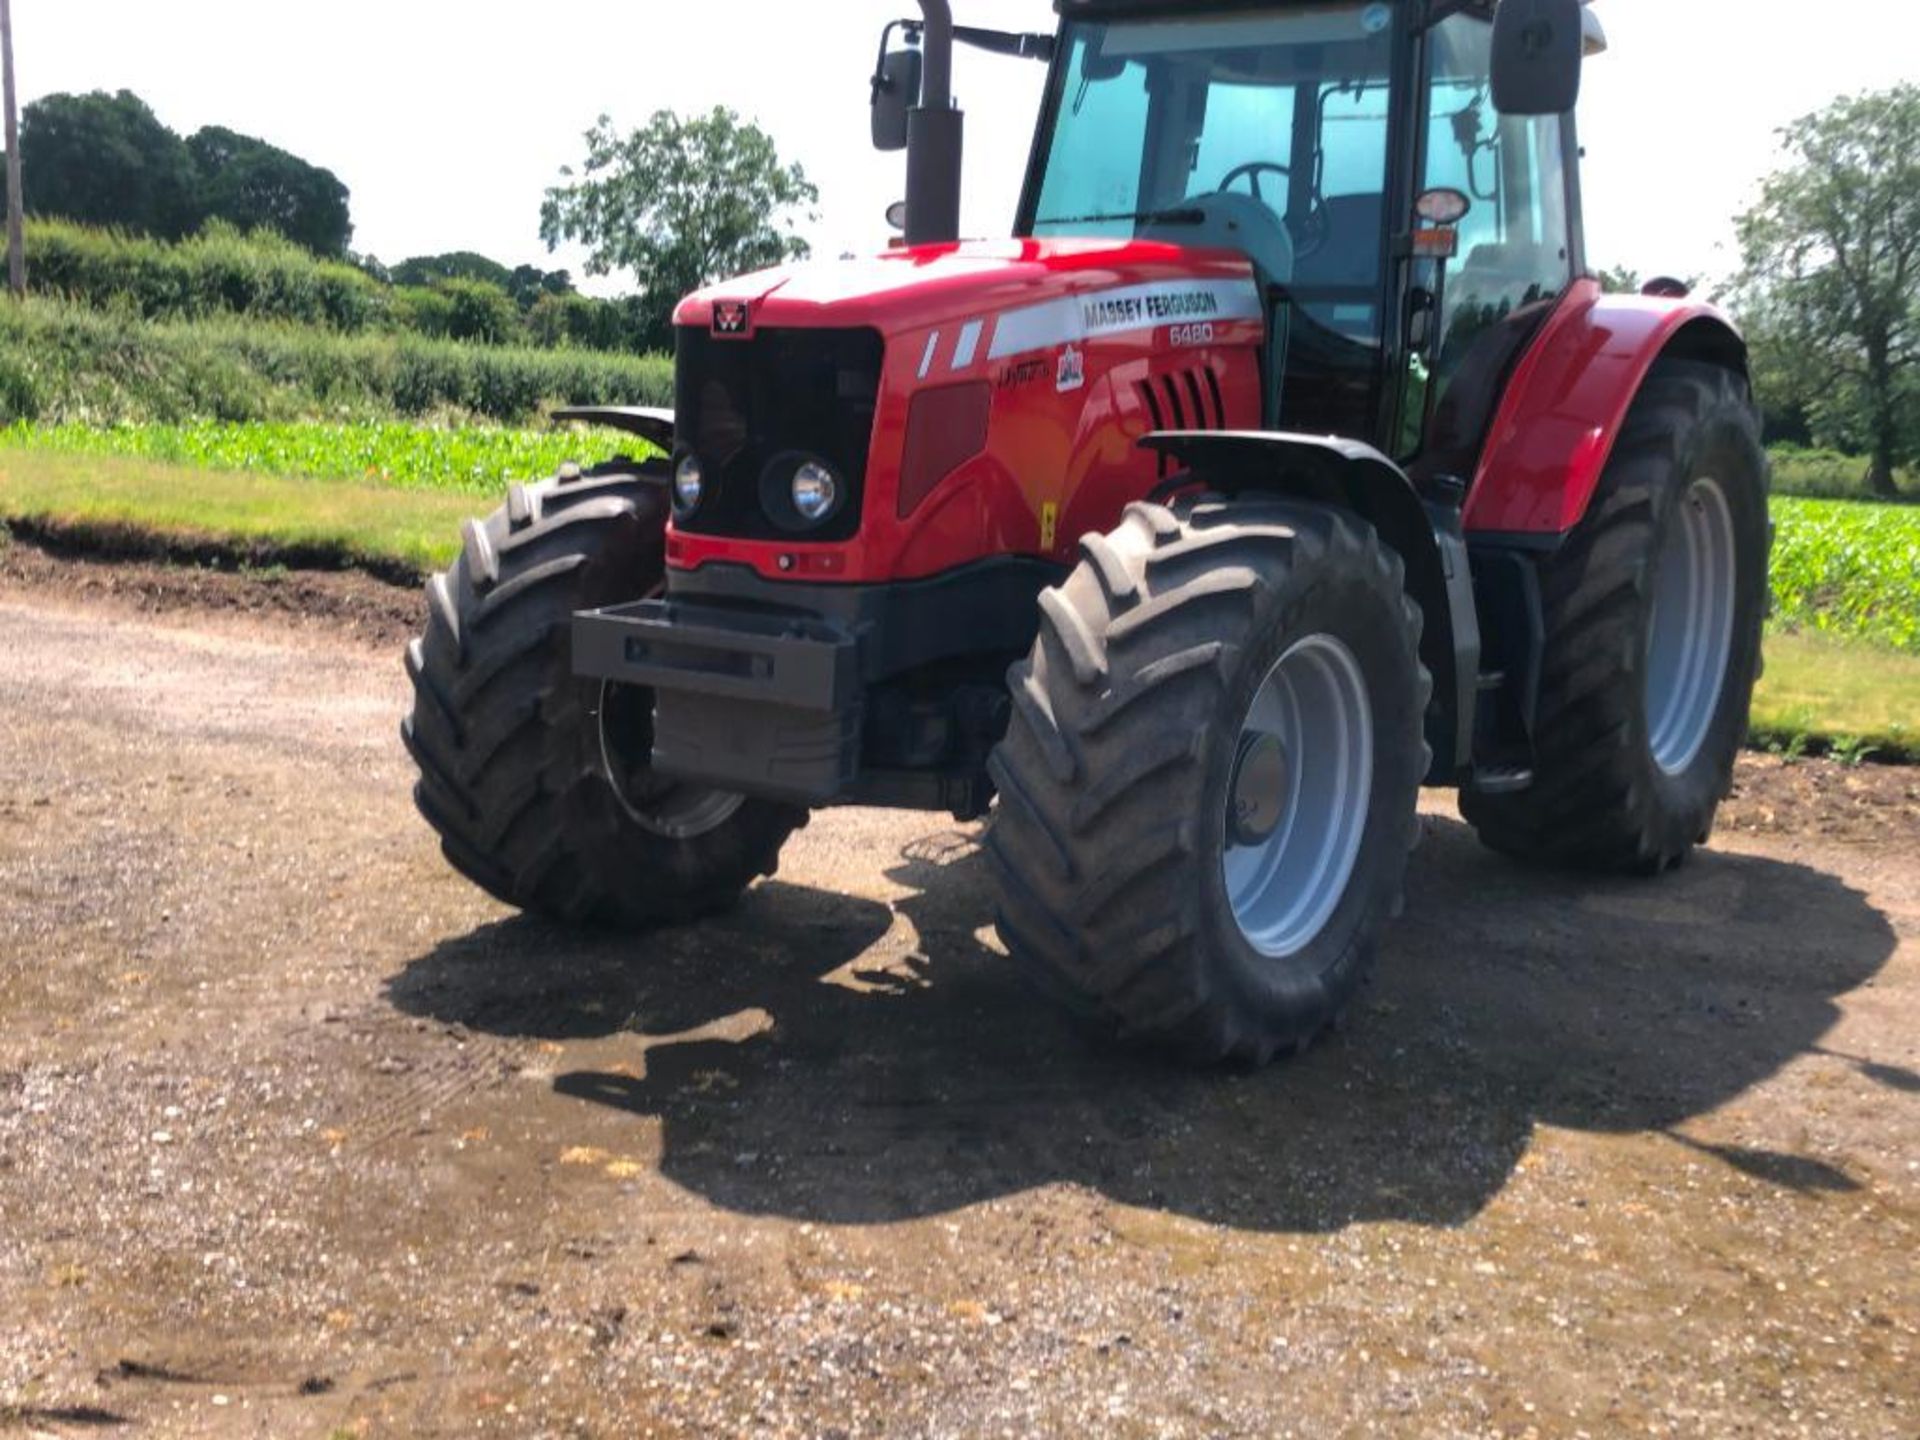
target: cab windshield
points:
(1286, 109)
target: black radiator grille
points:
(740, 403)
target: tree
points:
(1831, 273)
(454, 265)
(681, 203)
(107, 160)
(1620, 280)
(260, 186)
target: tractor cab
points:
(1353, 152)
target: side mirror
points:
(896, 90)
(1537, 46)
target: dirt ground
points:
(300, 1136)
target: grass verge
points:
(140, 507)
(1841, 696)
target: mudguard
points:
(652, 425)
(1568, 397)
(1427, 537)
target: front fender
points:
(1569, 396)
(1427, 537)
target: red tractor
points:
(1285, 460)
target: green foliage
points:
(456, 265)
(478, 459)
(220, 271)
(681, 203)
(1849, 570)
(1852, 751)
(106, 160)
(70, 363)
(1791, 746)
(252, 185)
(1816, 474)
(1830, 285)
(481, 311)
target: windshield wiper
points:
(1178, 215)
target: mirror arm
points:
(1020, 46)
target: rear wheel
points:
(539, 783)
(1653, 612)
(1207, 793)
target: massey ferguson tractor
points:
(1286, 459)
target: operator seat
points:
(1234, 222)
(1230, 221)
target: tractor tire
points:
(1653, 611)
(1165, 862)
(517, 755)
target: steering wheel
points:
(1314, 231)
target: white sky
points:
(447, 121)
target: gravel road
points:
(299, 1135)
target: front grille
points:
(740, 403)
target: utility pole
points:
(16, 239)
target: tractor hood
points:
(912, 288)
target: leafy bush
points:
(219, 271)
(65, 362)
(260, 276)
(1824, 474)
(1848, 569)
(481, 311)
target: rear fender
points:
(1428, 538)
(1568, 398)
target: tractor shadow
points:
(907, 1071)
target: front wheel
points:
(1207, 793)
(541, 784)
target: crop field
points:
(1848, 569)
(477, 460)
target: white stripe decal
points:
(926, 360)
(968, 343)
(1113, 312)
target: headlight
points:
(801, 493)
(687, 484)
(815, 492)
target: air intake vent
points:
(1187, 399)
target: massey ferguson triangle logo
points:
(731, 317)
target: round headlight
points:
(815, 492)
(687, 484)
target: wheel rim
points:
(664, 807)
(1292, 829)
(1690, 635)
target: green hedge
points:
(218, 272)
(263, 277)
(1827, 475)
(65, 362)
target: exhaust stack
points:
(934, 137)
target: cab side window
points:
(1515, 243)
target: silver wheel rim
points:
(1292, 831)
(669, 809)
(1690, 635)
